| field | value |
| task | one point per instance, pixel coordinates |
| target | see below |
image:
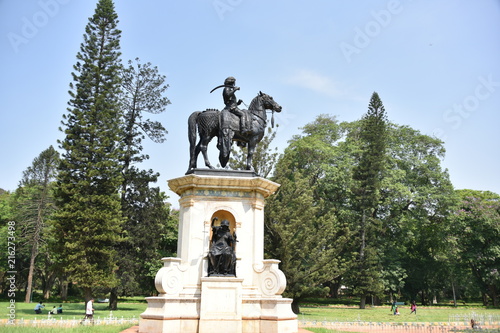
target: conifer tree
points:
(34, 204)
(88, 223)
(368, 175)
(301, 228)
(143, 206)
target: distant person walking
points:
(89, 311)
(413, 307)
(393, 307)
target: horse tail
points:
(192, 127)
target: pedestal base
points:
(182, 315)
(190, 302)
(220, 304)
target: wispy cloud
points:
(314, 81)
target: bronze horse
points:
(208, 124)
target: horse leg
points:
(251, 149)
(194, 150)
(196, 153)
(203, 147)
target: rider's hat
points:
(229, 80)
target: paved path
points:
(385, 329)
(135, 329)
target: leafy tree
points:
(144, 230)
(416, 198)
(301, 227)
(368, 175)
(6, 215)
(88, 222)
(34, 205)
(477, 230)
(317, 184)
(6, 209)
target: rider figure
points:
(228, 94)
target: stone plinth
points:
(188, 300)
(221, 304)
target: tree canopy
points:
(318, 203)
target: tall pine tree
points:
(89, 221)
(367, 176)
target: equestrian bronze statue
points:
(227, 125)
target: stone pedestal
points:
(188, 300)
(223, 314)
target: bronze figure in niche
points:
(221, 255)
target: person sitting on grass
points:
(39, 307)
(53, 311)
(59, 309)
(396, 311)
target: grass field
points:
(132, 308)
(82, 329)
(383, 314)
(74, 310)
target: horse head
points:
(269, 103)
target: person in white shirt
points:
(89, 310)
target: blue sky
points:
(435, 65)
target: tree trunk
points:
(113, 299)
(362, 302)
(295, 307)
(363, 237)
(49, 283)
(34, 251)
(493, 295)
(485, 298)
(454, 295)
(335, 287)
(87, 294)
(64, 290)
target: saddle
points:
(229, 120)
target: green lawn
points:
(74, 310)
(71, 311)
(324, 330)
(132, 308)
(81, 329)
(430, 314)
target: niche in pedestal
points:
(222, 248)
